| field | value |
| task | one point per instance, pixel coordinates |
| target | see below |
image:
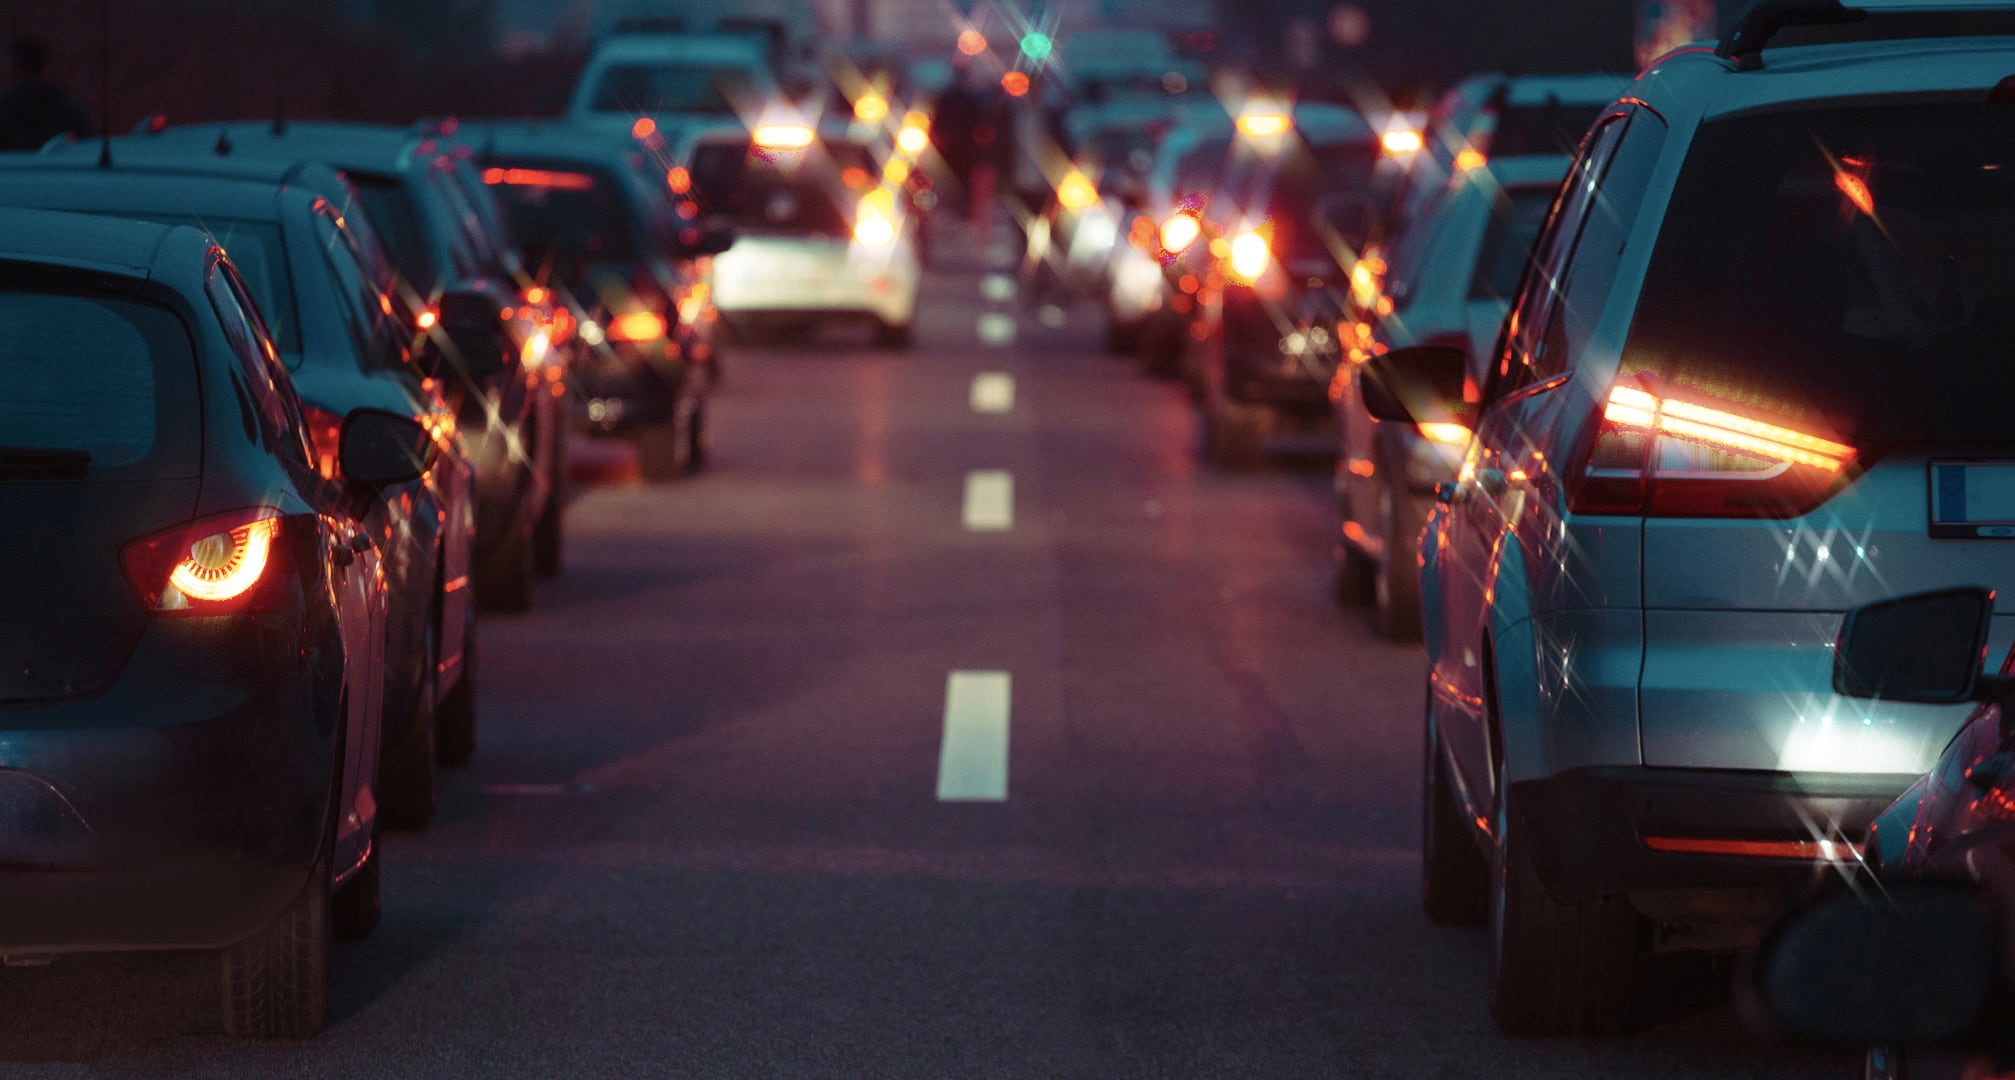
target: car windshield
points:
(687, 88)
(1845, 268)
(1514, 224)
(391, 212)
(809, 191)
(563, 211)
(112, 385)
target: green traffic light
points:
(1035, 45)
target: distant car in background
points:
(672, 81)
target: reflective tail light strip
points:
(1810, 850)
(1630, 407)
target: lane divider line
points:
(995, 328)
(989, 501)
(993, 392)
(973, 758)
(998, 288)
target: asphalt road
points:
(703, 837)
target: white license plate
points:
(1973, 499)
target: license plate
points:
(1973, 499)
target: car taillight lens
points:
(325, 432)
(637, 326)
(1673, 457)
(215, 566)
(1179, 232)
(875, 218)
(1249, 255)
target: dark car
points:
(192, 678)
(1915, 967)
(610, 226)
(512, 419)
(1292, 212)
(313, 271)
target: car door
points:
(1492, 490)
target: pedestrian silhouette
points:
(34, 110)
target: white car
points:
(823, 232)
(645, 83)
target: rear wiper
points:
(43, 463)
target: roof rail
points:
(1756, 26)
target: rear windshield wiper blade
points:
(43, 463)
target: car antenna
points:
(105, 86)
(223, 146)
(280, 111)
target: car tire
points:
(697, 448)
(1455, 877)
(1396, 586)
(355, 907)
(455, 720)
(1352, 585)
(409, 787)
(1557, 969)
(1120, 338)
(895, 336)
(276, 983)
(509, 574)
(1236, 433)
(549, 532)
(664, 451)
(1160, 350)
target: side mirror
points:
(378, 448)
(1911, 964)
(1925, 648)
(468, 336)
(1420, 385)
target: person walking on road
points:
(35, 110)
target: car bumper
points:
(1611, 829)
(770, 276)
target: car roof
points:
(155, 164)
(556, 139)
(88, 241)
(85, 189)
(357, 147)
(627, 48)
(1322, 123)
(1695, 80)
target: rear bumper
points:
(765, 276)
(1611, 829)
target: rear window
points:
(686, 88)
(1304, 194)
(254, 246)
(101, 386)
(1514, 225)
(1551, 128)
(810, 191)
(563, 209)
(1845, 269)
(392, 215)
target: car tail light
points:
(875, 218)
(1250, 255)
(1664, 456)
(1179, 232)
(216, 566)
(783, 136)
(325, 433)
(637, 326)
(1401, 142)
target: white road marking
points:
(972, 760)
(993, 392)
(989, 501)
(1051, 315)
(996, 328)
(998, 288)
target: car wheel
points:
(276, 982)
(507, 582)
(549, 534)
(1396, 609)
(1556, 969)
(455, 720)
(1352, 586)
(897, 336)
(1120, 338)
(354, 908)
(1160, 350)
(1236, 433)
(696, 437)
(408, 788)
(1455, 877)
(664, 450)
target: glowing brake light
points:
(1399, 142)
(783, 136)
(1470, 158)
(1076, 192)
(536, 294)
(540, 178)
(870, 107)
(208, 567)
(1667, 457)
(875, 218)
(637, 326)
(1179, 232)
(427, 319)
(1444, 433)
(1263, 125)
(1249, 255)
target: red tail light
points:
(325, 432)
(216, 566)
(1673, 457)
(638, 326)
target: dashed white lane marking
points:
(1051, 315)
(998, 288)
(996, 328)
(989, 501)
(993, 392)
(972, 760)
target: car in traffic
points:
(313, 272)
(1152, 280)
(192, 692)
(1685, 468)
(605, 224)
(668, 82)
(1291, 214)
(822, 233)
(1449, 283)
(511, 415)
(1906, 960)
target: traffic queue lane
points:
(799, 772)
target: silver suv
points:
(1757, 374)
